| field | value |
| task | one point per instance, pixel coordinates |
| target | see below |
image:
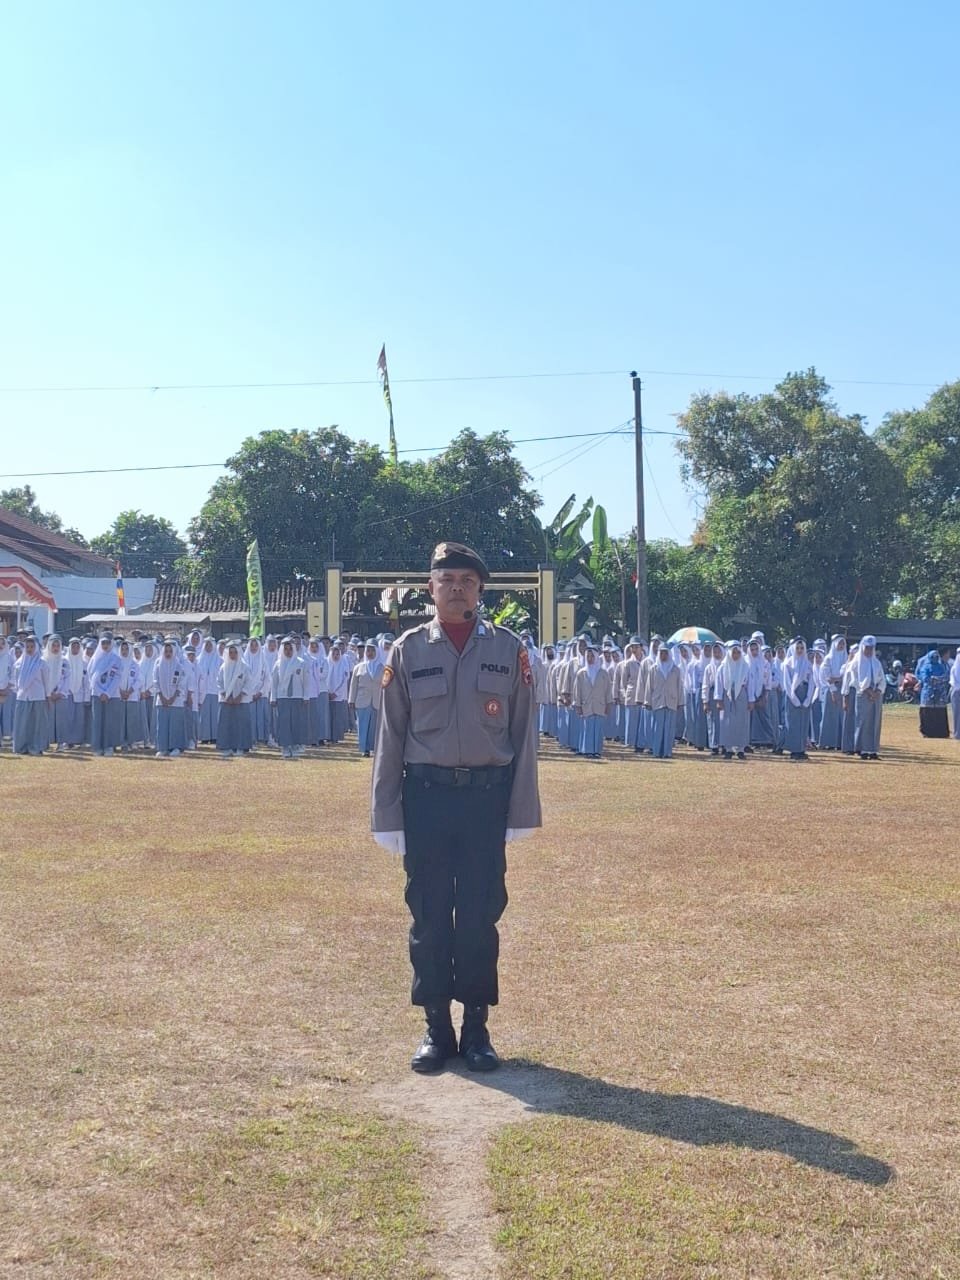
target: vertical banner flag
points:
(121, 601)
(385, 379)
(258, 617)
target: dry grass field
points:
(730, 1013)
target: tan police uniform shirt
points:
(474, 709)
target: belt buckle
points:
(461, 777)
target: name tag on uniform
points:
(426, 671)
(492, 666)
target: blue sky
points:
(222, 193)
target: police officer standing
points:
(455, 778)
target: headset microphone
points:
(467, 615)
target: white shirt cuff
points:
(392, 841)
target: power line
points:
(656, 489)
(545, 462)
(581, 452)
(107, 471)
(342, 382)
(448, 378)
(766, 377)
(196, 466)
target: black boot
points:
(439, 1043)
(475, 1046)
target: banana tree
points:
(565, 543)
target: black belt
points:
(492, 776)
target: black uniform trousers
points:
(456, 865)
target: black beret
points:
(455, 555)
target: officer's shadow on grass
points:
(681, 1117)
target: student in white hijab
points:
(318, 708)
(626, 690)
(569, 735)
(364, 696)
(271, 656)
(31, 724)
(56, 676)
(870, 684)
(132, 731)
(546, 691)
(799, 688)
(610, 664)
(255, 658)
(289, 693)
(758, 692)
(234, 685)
(831, 695)
(818, 652)
(682, 657)
(338, 685)
(103, 674)
(664, 691)
(171, 686)
(708, 695)
(777, 657)
(559, 721)
(642, 696)
(196, 693)
(76, 695)
(592, 698)
(848, 689)
(208, 663)
(147, 710)
(731, 690)
(8, 687)
(696, 718)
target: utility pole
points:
(643, 607)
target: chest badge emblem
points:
(492, 706)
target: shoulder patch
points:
(526, 675)
(388, 674)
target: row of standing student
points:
(728, 699)
(112, 695)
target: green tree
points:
(802, 518)
(680, 587)
(22, 501)
(476, 492)
(925, 445)
(146, 546)
(310, 497)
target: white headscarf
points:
(286, 666)
(233, 669)
(170, 673)
(374, 665)
(48, 653)
(147, 664)
(835, 661)
(734, 671)
(126, 665)
(208, 660)
(659, 664)
(77, 669)
(798, 669)
(337, 668)
(867, 672)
